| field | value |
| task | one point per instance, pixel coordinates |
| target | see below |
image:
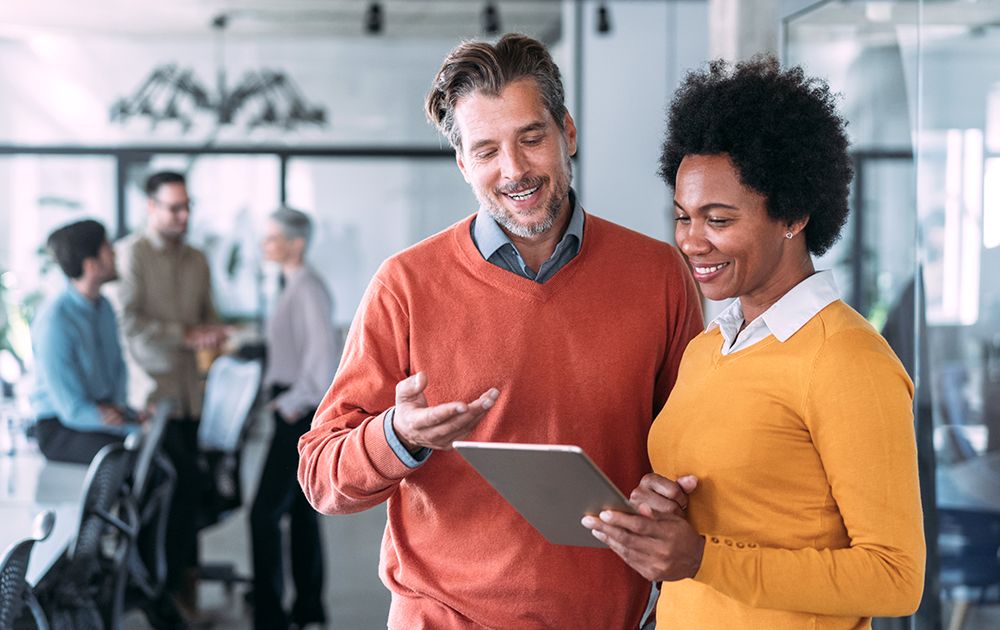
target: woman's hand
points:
(663, 496)
(659, 549)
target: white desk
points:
(29, 484)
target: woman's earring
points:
(789, 234)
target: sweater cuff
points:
(718, 549)
(383, 459)
(412, 460)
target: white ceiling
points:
(336, 18)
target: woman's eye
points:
(718, 222)
(682, 219)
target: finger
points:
(411, 390)
(632, 523)
(456, 429)
(665, 488)
(688, 483)
(658, 503)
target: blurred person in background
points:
(167, 315)
(301, 352)
(81, 382)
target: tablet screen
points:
(552, 486)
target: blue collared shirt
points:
(78, 361)
(783, 319)
(497, 248)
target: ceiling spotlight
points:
(603, 19)
(373, 18)
(491, 19)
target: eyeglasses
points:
(175, 208)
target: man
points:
(80, 387)
(558, 326)
(167, 314)
(301, 355)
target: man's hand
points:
(657, 496)
(205, 336)
(665, 549)
(111, 415)
(420, 426)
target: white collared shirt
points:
(783, 319)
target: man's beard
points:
(508, 220)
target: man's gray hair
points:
(294, 223)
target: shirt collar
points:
(489, 236)
(790, 313)
(158, 242)
(80, 300)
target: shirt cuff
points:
(412, 460)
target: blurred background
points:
(318, 104)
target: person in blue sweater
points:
(79, 398)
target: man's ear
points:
(461, 165)
(569, 132)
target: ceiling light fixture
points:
(261, 98)
(603, 19)
(491, 19)
(374, 18)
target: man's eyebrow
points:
(535, 126)
(538, 125)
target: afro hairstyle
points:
(780, 129)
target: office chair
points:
(151, 490)
(230, 391)
(86, 589)
(16, 594)
(968, 544)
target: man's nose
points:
(514, 165)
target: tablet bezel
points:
(551, 485)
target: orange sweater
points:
(586, 358)
(808, 493)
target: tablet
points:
(552, 486)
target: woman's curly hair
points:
(780, 129)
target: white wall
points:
(630, 75)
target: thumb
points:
(688, 483)
(410, 390)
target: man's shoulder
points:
(434, 250)
(54, 315)
(134, 245)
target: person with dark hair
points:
(79, 398)
(168, 315)
(529, 321)
(301, 353)
(791, 501)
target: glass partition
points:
(921, 86)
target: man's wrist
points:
(412, 459)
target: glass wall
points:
(921, 87)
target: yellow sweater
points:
(808, 495)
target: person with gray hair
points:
(529, 321)
(301, 350)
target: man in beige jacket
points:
(167, 317)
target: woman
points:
(790, 431)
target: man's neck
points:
(291, 266)
(88, 288)
(535, 250)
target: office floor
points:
(355, 598)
